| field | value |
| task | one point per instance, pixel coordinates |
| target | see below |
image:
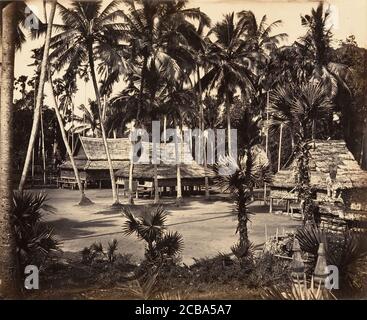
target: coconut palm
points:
(228, 60)
(88, 123)
(9, 278)
(90, 34)
(260, 35)
(83, 198)
(39, 98)
(159, 35)
(316, 50)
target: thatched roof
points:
(325, 155)
(94, 149)
(90, 154)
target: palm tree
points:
(316, 50)
(301, 107)
(228, 60)
(251, 169)
(151, 227)
(88, 123)
(260, 35)
(160, 36)
(39, 99)
(89, 34)
(83, 198)
(9, 278)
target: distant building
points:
(91, 161)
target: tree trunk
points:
(280, 146)
(39, 99)
(202, 128)
(9, 272)
(178, 166)
(104, 137)
(229, 127)
(43, 147)
(83, 199)
(242, 219)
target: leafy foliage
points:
(96, 254)
(34, 239)
(150, 227)
(345, 251)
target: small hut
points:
(336, 177)
(91, 160)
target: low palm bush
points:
(150, 226)
(34, 238)
(347, 251)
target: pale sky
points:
(348, 17)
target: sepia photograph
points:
(185, 150)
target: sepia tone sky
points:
(348, 17)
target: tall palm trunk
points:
(280, 146)
(83, 199)
(43, 147)
(228, 108)
(242, 218)
(39, 99)
(178, 165)
(9, 279)
(104, 137)
(202, 128)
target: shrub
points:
(34, 238)
(161, 245)
(347, 251)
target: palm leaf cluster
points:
(150, 226)
(344, 250)
(34, 239)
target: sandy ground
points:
(207, 227)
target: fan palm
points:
(90, 34)
(151, 227)
(300, 108)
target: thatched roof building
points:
(334, 173)
(91, 161)
(326, 154)
(90, 154)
